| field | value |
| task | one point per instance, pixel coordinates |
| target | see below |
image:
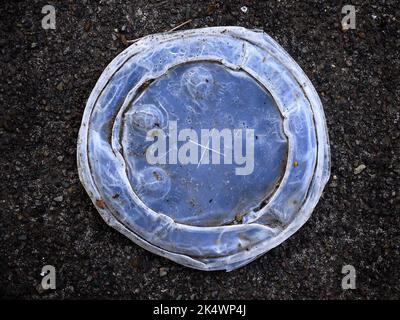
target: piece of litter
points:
(200, 155)
(244, 9)
(170, 30)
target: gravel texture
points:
(47, 218)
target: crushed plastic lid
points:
(208, 147)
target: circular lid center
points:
(204, 144)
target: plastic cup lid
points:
(208, 147)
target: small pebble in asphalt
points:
(59, 199)
(360, 169)
(163, 272)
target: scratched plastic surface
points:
(205, 216)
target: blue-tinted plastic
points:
(205, 194)
(205, 216)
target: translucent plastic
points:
(206, 213)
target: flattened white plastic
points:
(202, 215)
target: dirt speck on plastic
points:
(47, 76)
